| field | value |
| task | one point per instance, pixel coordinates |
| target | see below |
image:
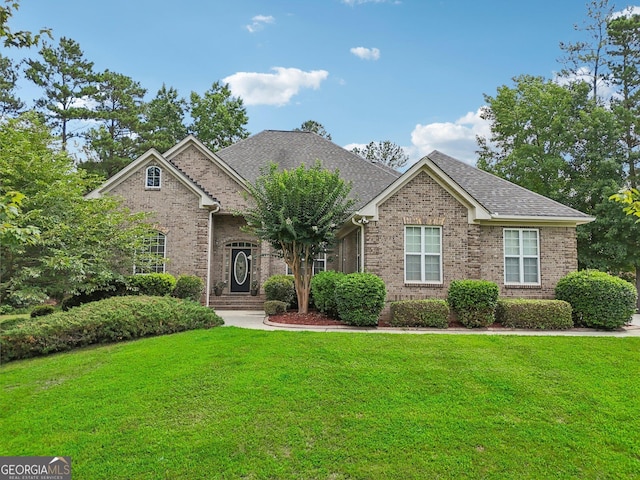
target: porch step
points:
(237, 302)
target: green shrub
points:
(432, 313)
(323, 289)
(360, 298)
(6, 309)
(473, 301)
(189, 287)
(153, 284)
(598, 300)
(538, 314)
(112, 320)
(42, 310)
(280, 287)
(274, 307)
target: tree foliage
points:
(20, 38)
(10, 104)
(313, 127)
(83, 244)
(298, 212)
(385, 152)
(68, 81)
(163, 121)
(219, 119)
(118, 110)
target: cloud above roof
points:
(366, 53)
(273, 88)
(258, 22)
(456, 138)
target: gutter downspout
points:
(215, 209)
(361, 222)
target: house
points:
(439, 221)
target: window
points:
(319, 264)
(423, 254)
(157, 246)
(521, 256)
(153, 175)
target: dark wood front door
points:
(240, 270)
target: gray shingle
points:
(291, 149)
(500, 196)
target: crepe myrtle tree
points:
(298, 212)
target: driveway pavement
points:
(255, 319)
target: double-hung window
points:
(521, 256)
(423, 254)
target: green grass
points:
(230, 403)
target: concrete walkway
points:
(255, 319)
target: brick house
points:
(439, 221)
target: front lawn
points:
(232, 403)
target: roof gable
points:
(205, 199)
(488, 198)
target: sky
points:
(414, 72)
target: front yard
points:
(232, 403)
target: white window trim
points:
(321, 257)
(520, 256)
(422, 255)
(146, 178)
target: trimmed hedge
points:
(188, 287)
(112, 320)
(599, 300)
(473, 301)
(536, 314)
(360, 299)
(280, 287)
(153, 284)
(115, 288)
(431, 313)
(323, 290)
(273, 307)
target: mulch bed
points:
(315, 318)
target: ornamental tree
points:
(298, 212)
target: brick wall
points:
(469, 251)
(176, 214)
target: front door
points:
(240, 270)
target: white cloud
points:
(366, 53)
(258, 22)
(457, 139)
(273, 88)
(626, 12)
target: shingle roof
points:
(291, 149)
(498, 196)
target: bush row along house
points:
(439, 221)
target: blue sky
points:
(410, 71)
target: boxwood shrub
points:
(473, 301)
(537, 314)
(360, 298)
(280, 287)
(598, 300)
(41, 311)
(273, 307)
(112, 320)
(189, 287)
(153, 284)
(431, 313)
(323, 289)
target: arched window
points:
(153, 177)
(152, 255)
